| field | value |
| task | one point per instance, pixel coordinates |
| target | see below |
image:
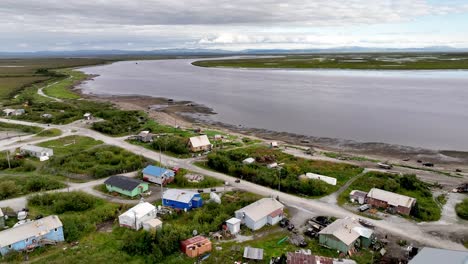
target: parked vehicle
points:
(213, 189)
(364, 207)
(284, 222)
(310, 232)
(237, 181)
(291, 227)
(428, 164)
(366, 223)
(200, 190)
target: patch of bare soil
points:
(105, 227)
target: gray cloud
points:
(146, 24)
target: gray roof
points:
(36, 149)
(183, 196)
(429, 255)
(253, 253)
(29, 229)
(261, 208)
(1, 213)
(347, 230)
(122, 182)
(391, 198)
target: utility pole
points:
(160, 164)
(8, 158)
(279, 180)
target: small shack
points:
(35, 151)
(260, 213)
(255, 254)
(436, 255)
(36, 233)
(87, 116)
(199, 143)
(273, 144)
(182, 199)
(152, 224)
(195, 246)
(158, 175)
(14, 112)
(126, 186)
(145, 136)
(136, 216)
(248, 160)
(393, 202)
(233, 225)
(272, 165)
(356, 196)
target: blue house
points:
(182, 199)
(45, 231)
(158, 175)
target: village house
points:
(126, 186)
(436, 255)
(14, 112)
(136, 216)
(145, 136)
(260, 213)
(272, 165)
(182, 199)
(2, 219)
(303, 258)
(326, 179)
(158, 175)
(36, 233)
(273, 144)
(233, 225)
(345, 235)
(393, 202)
(38, 152)
(199, 143)
(356, 196)
(87, 116)
(195, 246)
(47, 116)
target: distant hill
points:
(212, 52)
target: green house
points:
(345, 235)
(126, 186)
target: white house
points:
(233, 225)
(13, 112)
(248, 161)
(136, 216)
(327, 179)
(262, 212)
(273, 144)
(199, 143)
(87, 116)
(35, 151)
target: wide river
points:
(414, 108)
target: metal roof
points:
(358, 193)
(435, 255)
(29, 229)
(249, 160)
(347, 230)
(261, 208)
(327, 179)
(158, 171)
(391, 198)
(194, 240)
(140, 210)
(36, 149)
(183, 196)
(153, 222)
(233, 221)
(199, 141)
(253, 253)
(122, 182)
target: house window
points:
(55, 229)
(9, 246)
(27, 240)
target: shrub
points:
(7, 189)
(462, 209)
(59, 203)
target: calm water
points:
(414, 108)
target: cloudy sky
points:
(31, 25)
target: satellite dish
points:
(195, 232)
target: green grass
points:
(348, 61)
(427, 208)
(427, 169)
(230, 162)
(181, 182)
(70, 144)
(10, 86)
(14, 127)
(442, 199)
(18, 185)
(53, 132)
(62, 89)
(462, 209)
(335, 155)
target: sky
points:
(56, 25)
